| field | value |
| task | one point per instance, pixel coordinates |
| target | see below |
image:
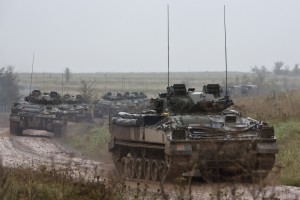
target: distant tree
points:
(260, 74)
(278, 68)
(9, 88)
(237, 80)
(67, 74)
(87, 91)
(245, 79)
(296, 70)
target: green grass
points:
(288, 135)
(91, 139)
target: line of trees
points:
(9, 88)
(280, 69)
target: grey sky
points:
(131, 35)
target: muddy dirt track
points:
(39, 148)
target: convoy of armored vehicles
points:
(194, 134)
(183, 132)
(51, 111)
(48, 111)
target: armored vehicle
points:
(76, 108)
(35, 116)
(190, 133)
(111, 103)
(77, 112)
(39, 112)
(37, 97)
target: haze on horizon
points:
(131, 35)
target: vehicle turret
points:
(37, 97)
(179, 100)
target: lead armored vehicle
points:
(39, 112)
(190, 133)
(38, 117)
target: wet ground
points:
(39, 148)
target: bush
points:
(9, 88)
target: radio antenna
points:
(168, 49)
(62, 82)
(226, 92)
(31, 73)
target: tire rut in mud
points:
(33, 150)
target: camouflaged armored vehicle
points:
(39, 112)
(77, 112)
(112, 103)
(76, 108)
(37, 97)
(191, 133)
(38, 117)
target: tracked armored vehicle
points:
(78, 112)
(190, 133)
(38, 112)
(37, 97)
(111, 103)
(38, 117)
(76, 108)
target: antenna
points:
(105, 81)
(226, 93)
(31, 73)
(62, 82)
(168, 49)
(43, 81)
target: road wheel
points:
(147, 171)
(124, 167)
(130, 168)
(154, 170)
(138, 168)
(162, 171)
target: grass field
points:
(150, 83)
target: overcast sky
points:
(131, 35)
